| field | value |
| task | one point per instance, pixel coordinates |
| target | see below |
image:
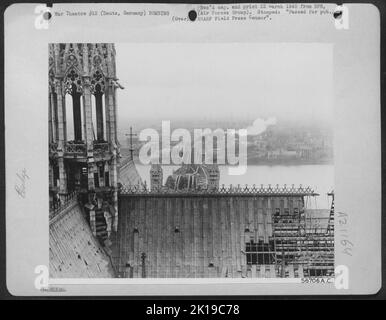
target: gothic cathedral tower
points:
(83, 146)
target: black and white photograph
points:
(146, 171)
(192, 150)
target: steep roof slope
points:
(74, 251)
(128, 174)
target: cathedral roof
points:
(128, 174)
(189, 176)
(74, 251)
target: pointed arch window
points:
(98, 84)
(73, 87)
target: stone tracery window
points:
(73, 87)
(73, 82)
(98, 88)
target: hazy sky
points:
(225, 81)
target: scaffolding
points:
(304, 243)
